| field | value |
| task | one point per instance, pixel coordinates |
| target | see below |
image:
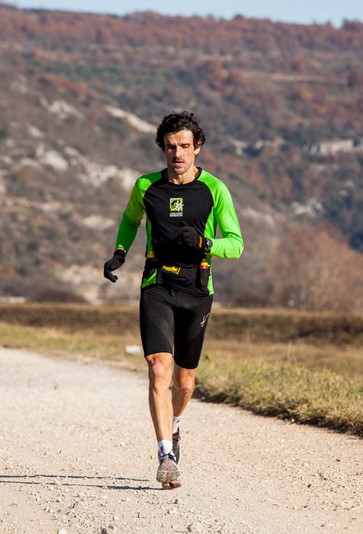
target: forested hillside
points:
(282, 107)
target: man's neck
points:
(180, 179)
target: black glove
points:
(189, 237)
(115, 262)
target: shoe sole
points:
(171, 485)
(165, 477)
(168, 476)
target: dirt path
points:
(78, 455)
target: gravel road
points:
(78, 456)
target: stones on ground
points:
(111, 529)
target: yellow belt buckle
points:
(171, 269)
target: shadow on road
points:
(109, 483)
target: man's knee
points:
(160, 365)
(184, 383)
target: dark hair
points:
(175, 122)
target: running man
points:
(184, 205)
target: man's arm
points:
(230, 245)
(131, 219)
(126, 234)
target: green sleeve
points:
(223, 215)
(131, 219)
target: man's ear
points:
(197, 148)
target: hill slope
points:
(80, 96)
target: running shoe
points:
(168, 472)
(176, 446)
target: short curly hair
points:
(175, 122)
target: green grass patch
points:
(306, 368)
(59, 343)
(286, 390)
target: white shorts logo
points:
(204, 320)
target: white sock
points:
(165, 447)
(176, 421)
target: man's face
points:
(180, 151)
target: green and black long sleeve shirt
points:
(205, 204)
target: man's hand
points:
(189, 237)
(115, 262)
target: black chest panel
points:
(168, 205)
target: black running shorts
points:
(174, 321)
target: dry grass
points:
(301, 366)
(286, 390)
(341, 359)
